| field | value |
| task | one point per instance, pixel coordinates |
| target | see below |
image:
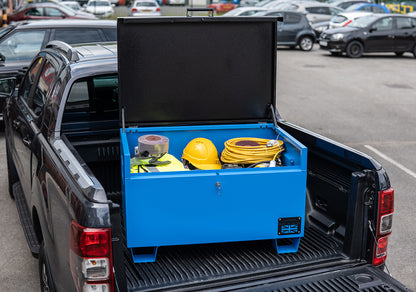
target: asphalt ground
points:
(367, 103)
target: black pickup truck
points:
(64, 163)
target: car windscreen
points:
(99, 3)
(363, 21)
(338, 19)
(145, 4)
(4, 30)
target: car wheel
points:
(306, 43)
(11, 171)
(414, 51)
(46, 283)
(354, 49)
(398, 54)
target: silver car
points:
(145, 8)
(317, 12)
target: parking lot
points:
(367, 103)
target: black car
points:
(20, 42)
(295, 29)
(373, 33)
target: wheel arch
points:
(305, 34)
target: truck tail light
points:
(90, 258)
(385, 222)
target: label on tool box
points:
(291, 225)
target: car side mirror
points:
(373, 29)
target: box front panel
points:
(211, 206)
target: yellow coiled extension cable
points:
(248, 154)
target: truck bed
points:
(326, 244)
(179, 268)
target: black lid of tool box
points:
(196, 69)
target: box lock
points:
(218, 185)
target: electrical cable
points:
(251, 150)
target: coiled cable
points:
(251, 150)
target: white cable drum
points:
(154, 144)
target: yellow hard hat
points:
(202, 154)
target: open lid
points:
(193, 70)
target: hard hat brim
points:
(207, 166)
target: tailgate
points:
(360, 279)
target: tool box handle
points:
(209, 10)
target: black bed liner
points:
(181, 268)
(358, 279)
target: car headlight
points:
(337, 37)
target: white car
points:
(345, 18)
(100, 8)
(145, 8)
(244, 11)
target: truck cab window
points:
(92, 99)
(45, 80)
(29, 80)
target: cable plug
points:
(271, 143)
(272, 163)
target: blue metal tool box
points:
(214, 78)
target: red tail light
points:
(158, 9)
(384, 225)
(348, 22)
(91, 258)
(387, 201)
(134, 10)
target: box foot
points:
(144, 254)
(287, 248)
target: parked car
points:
(222, 6)
(295, 30)
(145, 8)
(373, 33)
(21, 41)
(287, 4)
(316, 11)
(100, 8)
(345, 18)
(38, 11)
(344, 4)
(244, 11)
(368, 7)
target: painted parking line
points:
(392, 161)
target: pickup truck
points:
(62, 130)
